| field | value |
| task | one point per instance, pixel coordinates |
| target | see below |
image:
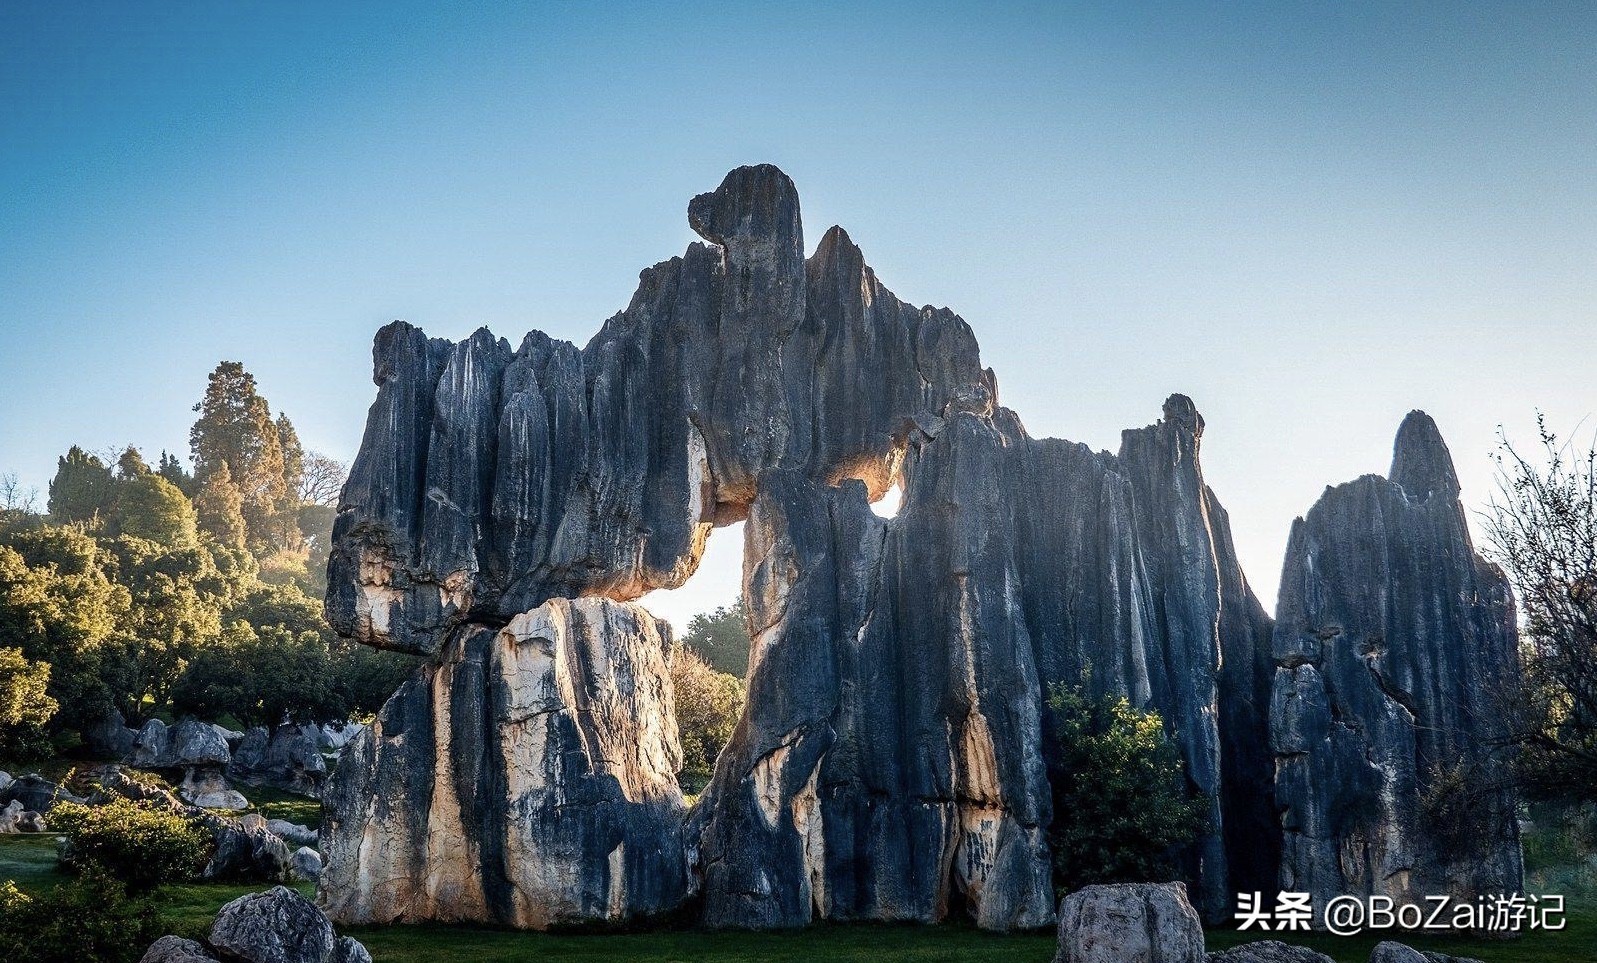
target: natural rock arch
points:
(891, 764)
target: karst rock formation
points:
(1394, 640)
(893, 761)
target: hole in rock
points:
(709, 668)
(887, 506)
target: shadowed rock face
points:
(1391, 636)
(893, 761)
(526, 778)
(491, 480)
(894, 758)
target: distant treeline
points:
(162, 591)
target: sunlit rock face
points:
(893, 763)
(492, 479)
(1391, 637)
(525, 778)
(894, 759)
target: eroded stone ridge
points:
(1391, 637)
(491, 480)
(527, 778)
(893, 762)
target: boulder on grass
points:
(247, 851)
(1269, 951)
(293, 833)
(1130, 923)
(207, 789)
(277, 926)
(36, 793)
(306, 864)
(175, 949)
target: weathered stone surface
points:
(1391, 636)
(208, 789)
(334, 736)
(528, 778)
(893, 762)
(36, 793)
(277, 926)
(306, 864)
(490, 481)
(11, 817)
(1129, 923)
(1389, 951)
(102, 783)
(247, 851)
(288, 758)
(176, 949)
(109, 737)
(1269, 951)
(350, 950)
(902, 666)
(188, 743)
(292, 833)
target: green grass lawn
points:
(276, 804)
(189, 909)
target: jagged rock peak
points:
(1182, 412)
(754, 202)
(1421, 463)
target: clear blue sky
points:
(1310, 218)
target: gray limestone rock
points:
(10, 817)
(350, 950)
(247, 851)
(188, 743)
(1269, 951)
(893, 761)
(1392, 635)
(176, 949)
(528, 779)
(292, 833)
(306, 864)
(288, 757)
(276, 926)
(491, 480)
(36, 793)
(206, 788)
(1129, 923)
(109, 737)
(1389, 951)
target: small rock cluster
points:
(276, 926)
(288, 757)
(1154, 923)
(24, 801)
(249, 848)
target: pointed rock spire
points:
(1421, 463)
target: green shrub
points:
(140, 844)
(708, 704)
(1121, 807)
(89, 918)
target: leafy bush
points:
(708, 704)
(1121, 807)
(140, 844)
(90, 918)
